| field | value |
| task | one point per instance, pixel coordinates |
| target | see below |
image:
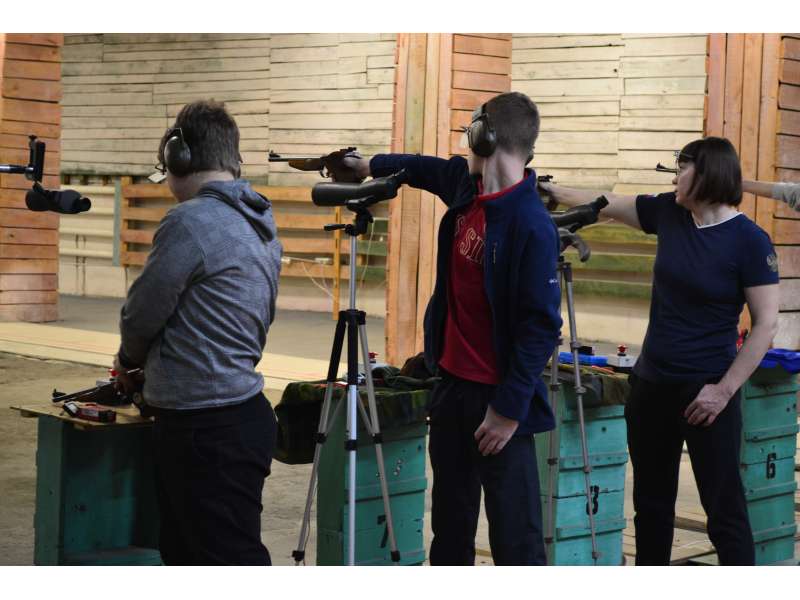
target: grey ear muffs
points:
(481, 136)
(177, 155)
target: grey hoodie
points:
(197, 316)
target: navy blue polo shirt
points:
(699, 279)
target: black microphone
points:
(68, 202)
(338, 194)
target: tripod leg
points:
(351, 437)
(322, 432)
(374, 428)
(579, 391)
(552, 455)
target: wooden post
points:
(756, 79)
(440, 80)
(30, 76)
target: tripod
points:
(571, 222)
(353, 323)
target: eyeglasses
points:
(680, 157)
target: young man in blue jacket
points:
(490, 327)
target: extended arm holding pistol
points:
(329, 165)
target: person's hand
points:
(711, 401)
(546, 190)
(494, 432)
(125, 382)
(358, 164)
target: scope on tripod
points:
(580, 216)
(358, 194)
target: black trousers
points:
(656, 432)
(210, 471)
(509, 479)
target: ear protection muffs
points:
(177, 155)
(481, 136)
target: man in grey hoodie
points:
(196, 320)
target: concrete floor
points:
(25, 380)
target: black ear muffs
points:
(481, 135)
(177, 155)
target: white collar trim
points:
(733, 216)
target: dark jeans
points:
(210, 471)
(656, 432)
(509, 479)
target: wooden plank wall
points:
(440, 79)
(30, 75)
(612, 106)
(751, 100)
(786, 225)
(87, 247)
(122, 90)
(329, 90)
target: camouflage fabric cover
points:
(400, 401)
(603, 388)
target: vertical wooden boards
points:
(29, 104)
(765, 207)
(786, 164)
(427, 223)
(734, 76)
(715, 104)
(440, 78)
(403, 65)
(751, 110)
(759, 116)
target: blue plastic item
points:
(788, 359)
(584, 359)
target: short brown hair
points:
(212, 136)
(515, 119)
(717, 172)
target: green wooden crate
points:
(606, 432)
(772, 506)
(766, 412)
(773, 443)
(608, 471)
(779, 550)
(95, 496)
(573, 545)
(372, 533)
(404, 451)
(767, 461)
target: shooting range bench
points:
(95, 494)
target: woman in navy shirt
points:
(711, 260)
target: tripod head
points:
(580, 216)
(570, 221)
(35, 167)
(357, 197)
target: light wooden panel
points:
(30, 72)
(121, 92)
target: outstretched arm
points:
(620, 208)
(784, 191)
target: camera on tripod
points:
(38, 198)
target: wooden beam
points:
(427, 230)
(396, 205)
(734, 77)
(765, 207)
(715, 106)
(751, 108)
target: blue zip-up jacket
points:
(520, 277)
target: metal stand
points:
(565, 270)
(353, 323)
